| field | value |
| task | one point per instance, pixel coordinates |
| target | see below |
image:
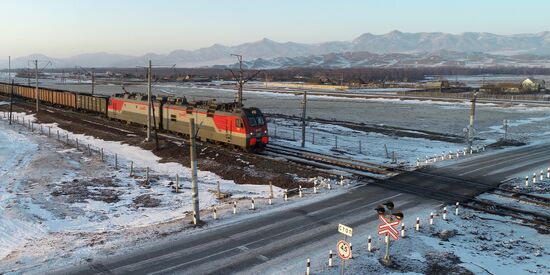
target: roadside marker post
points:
(541, 175)
(548, 173)
(456, 209)
(445, 213)
(351, 250)
(286, 194)
(299, 191)
(526, 180)
(402, 230)
(234, 207)
(308, 265)
(253, 205)
(215, 214)
(534, 178)
(369, 245)
(330, 258)
(431, 218)
(417, 225)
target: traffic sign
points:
(346, 230)
(387, 227)
(343, 249)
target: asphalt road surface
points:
(249, 245)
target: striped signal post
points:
(402, 230)
(445, 213)
(234, 207)
(308, 266)
(526, 180)
(330, 258)
(456, 209)
(417, 225)
(253, 205)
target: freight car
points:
(224, 123)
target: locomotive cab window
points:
(239, 123)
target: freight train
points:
(222, 123)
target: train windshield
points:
(254, 117)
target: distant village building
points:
(533, 85)
(442, 84)
(501, 88)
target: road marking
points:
(281, 233)
(243, 248)
(514, 158)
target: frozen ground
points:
(59, 205)
(470, 243)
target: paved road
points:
(251, 243)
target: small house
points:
(532, 85)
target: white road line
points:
(281, 233)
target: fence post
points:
(360, 149)
(336, 142)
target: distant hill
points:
(395, 42)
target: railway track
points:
(330, 163)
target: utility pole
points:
(240, 81)
(194, 187)
(93, 80)
(11, 101)
(505, 126)
(36, 87)
(149, 101)
(471, 126)
(9, 69)
(304, 103)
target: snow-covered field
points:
(60, 205)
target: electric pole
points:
(93, 80)
(194, 186)
(471, 126)
(240, 80)
(304, 103)
(36, 87)
(9, 69)
(11, 101)
(149, 101)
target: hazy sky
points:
(62, 28)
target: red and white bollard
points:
(299, 191)
(526, 180)
(330, 258)
(253, 205)
(417, 225)
(445, 213)
(456, 209)
(431, 218)
(234, 207)
(541, 175)
(534, 178)
(402, 230)
(369, 244)
(308, 265)
(351, 250)
(215, 214)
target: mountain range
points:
(394, 44)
